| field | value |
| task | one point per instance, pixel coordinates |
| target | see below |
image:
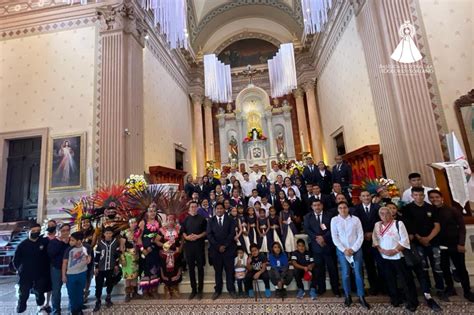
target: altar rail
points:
(162, 175)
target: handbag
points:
(412, 257)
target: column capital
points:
(207, 103)
(308, 86)
(298, 92)
(122, 17)
(197, 98)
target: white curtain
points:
(315, 14)
(282, 71)
(170, 15)
(217, 80)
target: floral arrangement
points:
(211, 167)
(260, 135)
(299, 165)
(135, 183)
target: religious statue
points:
(280, 142)
(254, 134)
(229, 108)
(233, 150)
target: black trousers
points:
(106, 276)
(459, 263)
(369, 262)
(249, 279)
(28, 285)
(397, 268)
(299, 274)
(284, 276)
(323, 261)
(195, 258)
(220, 262)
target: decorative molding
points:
(55, 26)
(246, 35)
(195, 29)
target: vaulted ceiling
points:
(213, 24)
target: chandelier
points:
(217, 80)
(170, 15)
(315, 14)
(282, 71)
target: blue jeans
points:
(75, 290)
(346, 272)
(57, 283)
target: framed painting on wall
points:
(67, 162)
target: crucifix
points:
(250, 72)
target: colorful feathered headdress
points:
(81, 210)
(139, 201)
(173, 203)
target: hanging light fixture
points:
(217, 80)
(315, 14)
(282, 71)
(171, 16)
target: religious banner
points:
(67, 162)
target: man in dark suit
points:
(273, 195)
(310, 171)
(222, 247)
(317, 225)
(305, 197)
(336, 190)
(368, 214)
(318, 195)
(342, 173)
(212, 181)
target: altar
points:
(255, 132)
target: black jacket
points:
(324, 182)
(221, 235)
(313, 229)
(368, 221)
(310, 176)
(343, 175)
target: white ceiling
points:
(203, 7)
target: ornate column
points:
(239, 119)
(409, 119)
(271, 138)
(289, 142)
(120, 115)
(301, 116)
(314, 120)
(208, 125)
(198, 134)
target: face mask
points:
(111, 216)
(51, 229)
(34, 235)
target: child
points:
(252, 227)
(74, 271)
(236, 200)
(254, 198)
(288, 227)
(129, 245)
(106, 264)
(242, 221)
(280, 274)
(257, 206)
(265, 204)
(240, 268)
(303, 263)
(262, 228)
(257, 269)
(274, 228)
(234, 215)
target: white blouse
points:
(391, 237)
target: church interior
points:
(93, 91)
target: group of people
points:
(274, 228)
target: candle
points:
(302, 142)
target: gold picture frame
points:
(67, 162)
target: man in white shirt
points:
(272, 176)
(234, 172)
(255, 174)
(348, 235)
(415, 181)
(247, 186)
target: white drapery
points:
(282, 71)
(315, 14)
(171, 16)
(217, 80)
